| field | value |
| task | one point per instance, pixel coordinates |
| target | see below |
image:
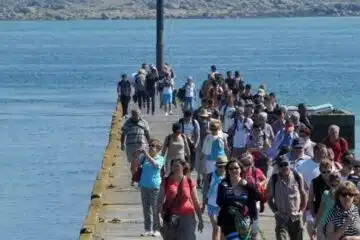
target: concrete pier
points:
(115, 211)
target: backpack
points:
(181, 121)
(275, 178)
(172, 74)
(230, 138)
(125, 89)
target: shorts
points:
(213, 210)
(167, 98)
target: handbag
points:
(168, 217)
(137, 175)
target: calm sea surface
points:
(57, 92)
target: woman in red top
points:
(338, 144)
(178, 203)
(256, 177)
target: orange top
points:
(184, 204)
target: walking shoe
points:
(146, 234)
(171, 113)
(156, 234)
(166, 114)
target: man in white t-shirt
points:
(308, 168)
(190, 94)
(239, 132)
(227, 114)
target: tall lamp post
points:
(159, 35)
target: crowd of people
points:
(249, 153)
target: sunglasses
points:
(154, 145)
(283, 165)
(234, 168)
(325, 172)
(247, 164)
(220, 166)
(344, 194)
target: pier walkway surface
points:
(115, 213)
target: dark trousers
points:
(125, 104)
(141, 98)
(287, 227)
(150, 97)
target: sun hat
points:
(203, 113)
(221, 161)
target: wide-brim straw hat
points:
(221, 161)
(204, 113)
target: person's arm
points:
(205, 188)
(151, 160)
(336, 234)
(221, 195)
(226, 146)
(165, 146)
(197, 134)
(249, 143)
(272, 151)
(222, 114)
(118, 88)
(186, 146)
(271, 195)
(272, 136)
(320, 212)
(161, 200)
(123, 136)
(147, 131)
(262, 177)
(303, 195)
(311, 200)
(346, 145)
(195, 200)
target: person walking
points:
(135, 135)
(150, 180)
(124, 93)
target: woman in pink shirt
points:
(178, 203)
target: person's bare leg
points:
(215, 228)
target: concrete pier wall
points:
(102, 181)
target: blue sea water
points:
(57, 93)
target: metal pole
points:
(159, 35)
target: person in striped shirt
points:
(343, 221)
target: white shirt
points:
(190, 90)
(228, 120)
(241, 134)
(169, 90)
(308, 169)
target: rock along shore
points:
(183, 9)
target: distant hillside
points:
(135, 9)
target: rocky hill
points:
(143, 9)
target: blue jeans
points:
(189, 102)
